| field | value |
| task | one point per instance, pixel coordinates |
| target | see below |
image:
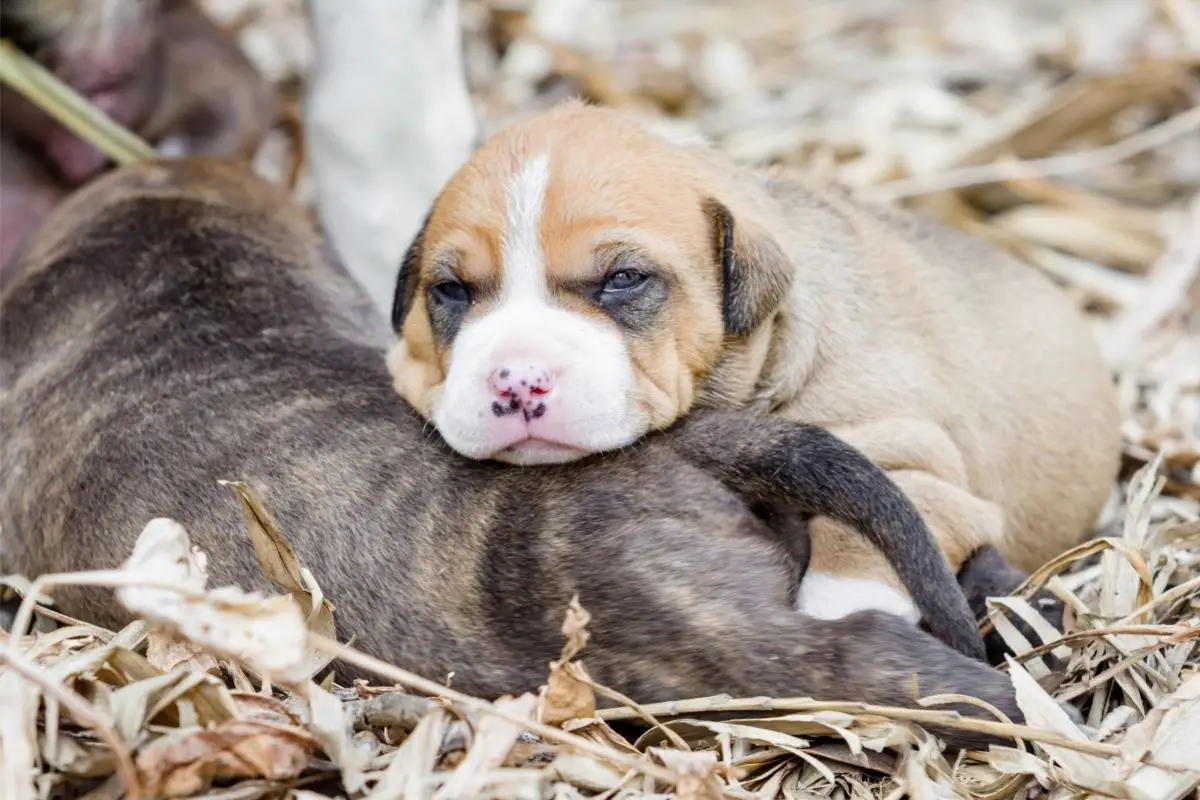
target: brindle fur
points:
(176, 324)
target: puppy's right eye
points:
(450, 293)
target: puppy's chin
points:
(534, 452)
(526, 447)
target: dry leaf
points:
(166, 653)
(1171, 733)
(493, 739)
(597, 730)
(697, 773)
(279, 563)
(1081, 234)
(332, 725)
(209, 698)
(568, 693)
(409, 773)
(575, 629)
(18, 735)
(78, 757)
(1042, 711)
(136, 703)
(585, 772)
(268, 634)
(260, 708)
(183, 763)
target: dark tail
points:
(765, 459)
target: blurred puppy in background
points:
(388, 119)
(161, 68)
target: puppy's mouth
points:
(534, 450)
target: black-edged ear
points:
(755, 272)
(406, 281)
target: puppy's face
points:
(569, 291)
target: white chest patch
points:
(524, 263)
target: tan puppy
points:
(581, 281)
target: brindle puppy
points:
(177, 323)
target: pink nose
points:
(521, 389)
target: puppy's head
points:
(572, 287)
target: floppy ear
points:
(406, 281)
(755, 272)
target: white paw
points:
(831, 597)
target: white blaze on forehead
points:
(594, 405)
(524, 267)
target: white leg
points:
(388, 119)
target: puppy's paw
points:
(825, 596)
(1052, 610)
(986, 574)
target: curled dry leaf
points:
(168, 653)
(568, 694)
(279, 562)
(182, 763)
(575, 629)
(168, 590)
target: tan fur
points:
(967, 375)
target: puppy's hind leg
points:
(702, 609)
(388, 119)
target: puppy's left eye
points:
(451, 292)
(624, 280)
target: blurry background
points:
(922, 102)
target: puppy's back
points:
(970, 337)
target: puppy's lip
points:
(538, 443)
(533, 450)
